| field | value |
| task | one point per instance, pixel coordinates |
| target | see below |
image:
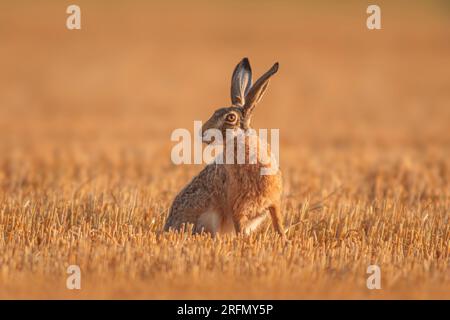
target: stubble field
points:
(85, 170)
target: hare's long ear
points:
(241, 82)
(257, 91)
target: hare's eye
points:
(231, 117)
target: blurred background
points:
(139, 69)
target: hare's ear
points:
(241, 82)
(257, 91)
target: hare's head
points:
(244, 98)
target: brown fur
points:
(235, 193)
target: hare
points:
(228, 198)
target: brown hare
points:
(227, 198)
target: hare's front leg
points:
(246, 221)
(277, 220)
(241, 220)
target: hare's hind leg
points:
(208, 221)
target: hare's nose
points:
(204, 134)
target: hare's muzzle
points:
(207, 137)
(206, 134)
